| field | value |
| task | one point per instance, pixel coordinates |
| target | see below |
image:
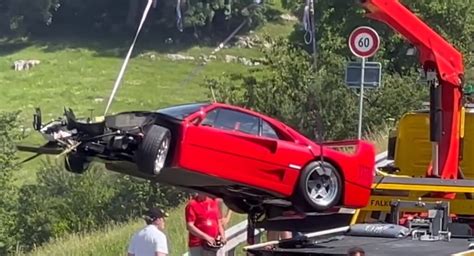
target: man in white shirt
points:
(150, 241)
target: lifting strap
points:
(127, 59)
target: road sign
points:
(364, 42)
(372, 75)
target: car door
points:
(233, 145)
(289, 154)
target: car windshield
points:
(182, 111)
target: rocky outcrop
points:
(21, 65)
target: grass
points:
(76, 78)
(113, 240)
(80, 79)
(79, 73)
(379, 139)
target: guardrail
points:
(237, 234)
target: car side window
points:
(210, 118)
(227, 119)
(268, 131)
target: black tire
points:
(150, 147)
(76, 163)
(305, 201)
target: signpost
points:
(363, 43)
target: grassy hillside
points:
(80, 73)
(80, 79)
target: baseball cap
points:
(155, 213)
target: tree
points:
(9, 134)
(336, 19)
(315, 103)
(24, 15)
(61, 203)
(198, 16)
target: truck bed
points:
(340, 244)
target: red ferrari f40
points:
(242, 156)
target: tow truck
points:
(422, 198)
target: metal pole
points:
(361, 100)
(313, 31)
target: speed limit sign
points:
(364, 42)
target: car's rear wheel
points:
(320, 186)
(76, 163)
(153, 151)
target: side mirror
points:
(37, 122)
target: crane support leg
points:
(443, 65)
(449, 148)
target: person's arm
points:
(197, 232)
(220, 220)
(227, 217)
(226, 214)
(222, 232)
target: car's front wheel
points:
(153, 151)
(320, 186)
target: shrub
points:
(9, 133)
(62, 203)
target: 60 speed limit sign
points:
(364, 42)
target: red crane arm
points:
(435, 54)
(433, 48)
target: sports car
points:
(242, 156)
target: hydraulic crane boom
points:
(444, 69)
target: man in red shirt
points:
(203, 222)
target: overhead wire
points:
(197, 70)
